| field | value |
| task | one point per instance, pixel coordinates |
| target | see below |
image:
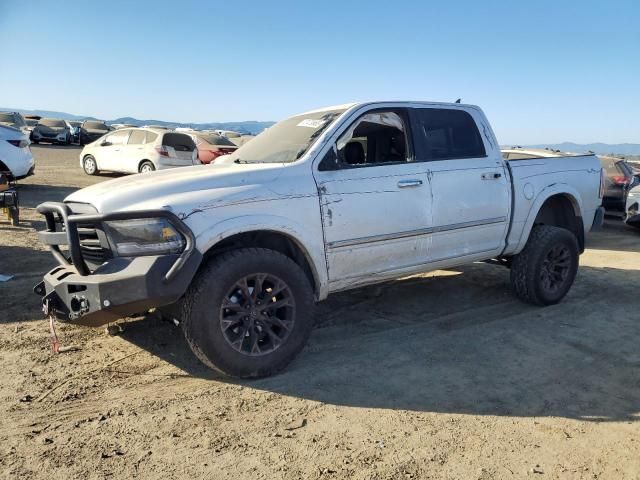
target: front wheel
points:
(248, 313)
(543, 272)
(89, 165)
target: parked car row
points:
(145, 149)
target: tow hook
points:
(79, 306)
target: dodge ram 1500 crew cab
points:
(324, 201)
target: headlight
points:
(144, 236)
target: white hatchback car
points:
(16, 159)
(138, 150)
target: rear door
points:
(181, 149)
(471, 190)
(133, 151)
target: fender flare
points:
(311, 248)
(543, 196)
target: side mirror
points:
(105, 144)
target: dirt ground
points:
(444, 375)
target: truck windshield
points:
(286, 141)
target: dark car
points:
(619, 179)
(75, 131)
(91, 130)
(51, 130)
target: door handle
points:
(491, 176)
(409, 183)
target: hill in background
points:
(598, 148)
(248, 127)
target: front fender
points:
(311, 245)
(543, 196)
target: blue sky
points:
(543, 71)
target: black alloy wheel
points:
(257, 314)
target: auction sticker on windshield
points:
(311, 123)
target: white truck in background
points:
(321, 202)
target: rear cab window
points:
(445, 134)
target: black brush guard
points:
(119, 287)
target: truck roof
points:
(346, 106)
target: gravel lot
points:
(443, 375)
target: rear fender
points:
(543, 196)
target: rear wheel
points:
(146, 167)
(248, 313)
(89, 165)
(544, 271)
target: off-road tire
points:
(201, 307)
(526, 268)
(85, 167)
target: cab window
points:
(376, 138)
(443, 134)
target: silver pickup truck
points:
(324, 201)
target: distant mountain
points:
(248, 127)
(48, 113)
(599, 148)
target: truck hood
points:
(186, 188)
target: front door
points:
(471, 190)
(375, 200)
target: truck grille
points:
(92, 250)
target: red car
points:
(211, 146)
